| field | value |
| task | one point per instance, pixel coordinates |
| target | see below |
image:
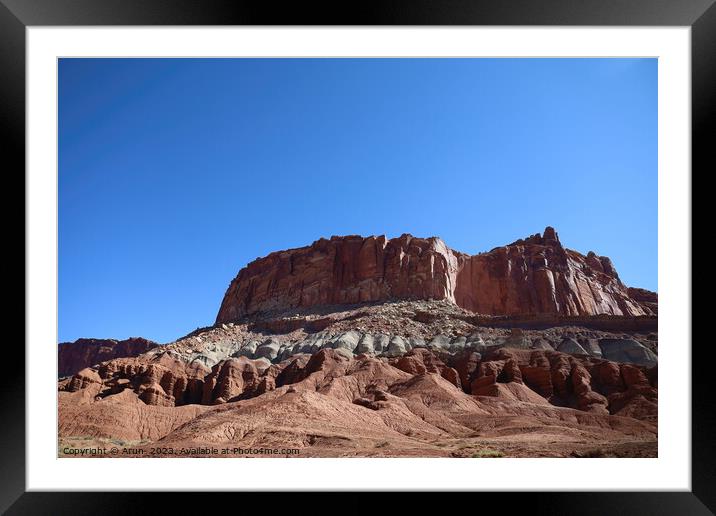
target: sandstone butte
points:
(532, 276)
(404, 359)
(74, 356)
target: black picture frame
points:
(700, 15)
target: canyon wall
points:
(531, 276)
(75, 356)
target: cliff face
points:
(343, 270)
(75, 356)
(536, 275)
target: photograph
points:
(296, 257)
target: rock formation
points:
(536, 275)
(373, 347)
(333, 404)
(393, 329)
(75, 356)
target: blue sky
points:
(175, 173)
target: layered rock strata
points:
(548, 377)
(536, 275)
(75, 356)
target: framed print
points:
(405, 249)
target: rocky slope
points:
(409, 378)
(561, 378)
(536, 275)
(376, 347)
(512, 402)
(74, 356)
(391, 329)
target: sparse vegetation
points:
(487, 454)
(594, 453)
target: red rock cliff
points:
(75, 356)
(531, 276)
(538, 275)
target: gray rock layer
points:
(355, 343)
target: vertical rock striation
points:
(343, 270)
(536, 275)
(75, 356)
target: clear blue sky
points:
(174, 173)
